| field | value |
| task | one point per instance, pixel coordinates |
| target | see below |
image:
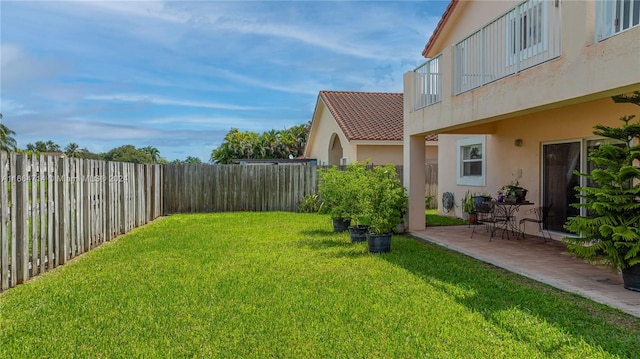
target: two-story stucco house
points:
(352, 126)
(520, 85)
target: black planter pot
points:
(631, 278)
(341, 225)
(521, 195)
(379, 243)
(478, 200)
(358, 233)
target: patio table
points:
(506, 213)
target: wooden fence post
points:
(4, 221)
(51, 188)
(43, 211)
(62, 252)
(22, 220)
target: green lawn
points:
(283, 285)
(432, 218)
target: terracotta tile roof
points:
(438, 29)
(374, 116)
(432, 137)
(366, 115)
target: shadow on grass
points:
(318, 232)
(495, 291)
(318, 239)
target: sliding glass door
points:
(559, 161)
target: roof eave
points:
(376, 142)
(432, 40)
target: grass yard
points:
(432, 218)
(283, 285)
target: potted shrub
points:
(386, 203)
(513, 192)
(469, 208)
(609, 233)
(332, 189)
(355, 200)
(479, 198)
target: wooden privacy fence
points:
(431, 185)
(223, 188)
(231, 188)
(53, 209)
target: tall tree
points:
(41, 146)
(128, 153)
(236, 145)
(153, 152)
(192, 160)
(608, 231)
(271, 144)
(7, 141)
(73, 150)
(85, 153)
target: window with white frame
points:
(615, 16)
(528, 29)
(471, 167)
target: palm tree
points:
(73, 150)
(41, 146)
(269, 142)
(53, 147)
(7, 142)
(153, 152)
(192, 160)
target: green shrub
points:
(331, 189)
(342, 191)
(610, 231)
(311, 203)
(386, 199)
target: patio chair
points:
(489, 217)
(537, 215)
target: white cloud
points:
(297, 87)
(9, 107)
(240, 18)
(20, 69)
(100, 72)
(217, 122)
(159, 100)
(143, 9)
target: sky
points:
(178, 75)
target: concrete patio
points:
(546, 262)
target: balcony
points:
(525, 36)
(481, 79)
(428, 82)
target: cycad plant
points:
(609, 233)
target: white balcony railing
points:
(525, 36)
(428, 83)
(615, 16)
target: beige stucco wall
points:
(505, 160)
(383, 154)
(586, 70)
(322, 129)
(557, 100)
(380, 154)
(468, 17)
